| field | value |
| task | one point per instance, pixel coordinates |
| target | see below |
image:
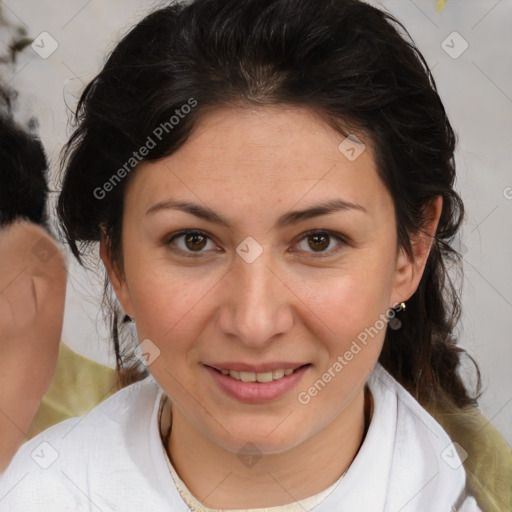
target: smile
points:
(258, 377)
(248, 386)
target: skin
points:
(252, 165)
(32, 294)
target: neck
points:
(218, 480)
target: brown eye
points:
(190, 242)
(195, 241)
(319, 241)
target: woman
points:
(271, 185)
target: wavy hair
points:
(353, 64)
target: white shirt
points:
(112, 459)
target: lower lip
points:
(257, 392)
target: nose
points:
(257, 305)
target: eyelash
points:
(310, 233)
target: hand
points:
(32, 294)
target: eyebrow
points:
(293, 217)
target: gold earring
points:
(132, 319)
(399, 307)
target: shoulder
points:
(411, 415)
(424, 456)
(489, 461)
(83, 452)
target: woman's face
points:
(257, 293)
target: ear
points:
(117, 280)
(408, 271)
(33, 307)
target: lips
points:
(257, 373)
(257, 386)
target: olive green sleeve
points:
(489, 458)
(79, 384)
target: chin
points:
(251, 442)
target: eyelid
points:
(338, 236)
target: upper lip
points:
(256, 368)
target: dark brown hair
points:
(353, 64)
(23, 174)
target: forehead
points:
(265, 156)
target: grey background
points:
(476, 89)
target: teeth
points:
(278, 374)
(265, 377)
(258, 377)
(248, 376)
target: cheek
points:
(350, 325)
(348, 300)
(168, 303)
(356, 330)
